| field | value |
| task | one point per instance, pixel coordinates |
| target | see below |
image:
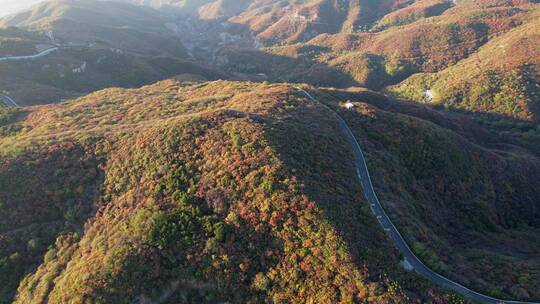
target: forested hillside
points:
(480, 56)
(241, 192)
(189, 192)
(469, 211)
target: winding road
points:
(8, 101)
(38, 55)
(411, 259)
(45, 52)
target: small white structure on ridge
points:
(429, 95)
(349, 105)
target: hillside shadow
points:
(45, 193)
(509, 130)
(313, 149)
(489, 130)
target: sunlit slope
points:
(473, 50)
(503, 77)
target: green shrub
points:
(177, 227)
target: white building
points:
(429, 95)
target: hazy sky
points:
(11, 6)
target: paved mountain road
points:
(38, 55)
(8, 101)
(46, 52)
(394, 234)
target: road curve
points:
(38, 55)
(394, 234)
(44, 52)
(8, 101)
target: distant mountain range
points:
(13, 6)
(117, 44)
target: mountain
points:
(502, 77)
(425, 45)
(292, 21)
(428, 39)
(19, 42)
(223, 9)
(205, 9)
(75, 71)
(94, 45)
(128, 27)
(185, 6)
(330, 43)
